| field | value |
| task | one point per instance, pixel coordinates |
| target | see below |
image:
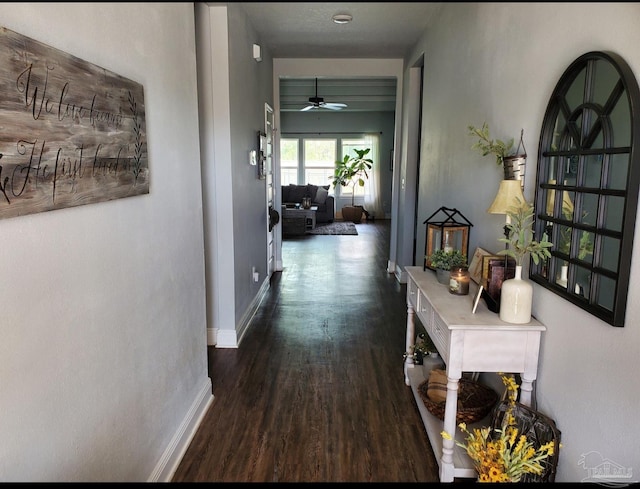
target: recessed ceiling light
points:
(342, 18)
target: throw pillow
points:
(437, 386)
(321, 195)
(297, 192)
(311, 191)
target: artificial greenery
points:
(487, 146)
(352, 170)
(503, 454)
(444, 260)
(520, 236)
(585, 245)
(423, 347)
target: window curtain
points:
(372, 199)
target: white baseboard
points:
(401, 275)
(231, 338)
(172, 456)
(212, 335)
(226, 338)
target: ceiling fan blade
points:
(319, 103)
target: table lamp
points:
(509, 196)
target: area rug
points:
(335, 228)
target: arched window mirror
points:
(587, 184)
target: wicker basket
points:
(539, 429)
(475, 401)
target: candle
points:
(459, 280)
(447, 245)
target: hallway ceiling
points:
(305, 30)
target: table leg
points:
(526, 388)
(410, 339)
(450, 411)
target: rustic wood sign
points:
(71, 133)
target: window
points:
(319, 160)
(587, 185)
(289, 161)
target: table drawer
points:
(440, 335)
(412, 294)
(424, 310)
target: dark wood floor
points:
(315, 392)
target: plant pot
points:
(514, 167)
(352, 213)
(443, 276)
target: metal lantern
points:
(448, 230)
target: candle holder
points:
(459, 280)
(447, 233)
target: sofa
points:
(293, 194)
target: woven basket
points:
(539, 429)
(475, 401)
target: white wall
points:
(233, 89)
(251, 86)
(103, 367)
(499, 63)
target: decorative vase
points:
(515, 299)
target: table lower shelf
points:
(463, 465)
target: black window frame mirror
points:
(587, 183)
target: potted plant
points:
(443, 260)
(516, 293)
(352, 171)
(423, 348)
(506, 156)
(487, 146)
(520, 236)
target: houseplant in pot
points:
(517, 293)
(506, 156)
(442, 261)
(352, 171)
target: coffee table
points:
(298, 220)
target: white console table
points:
(467, 342)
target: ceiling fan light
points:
(342, 18)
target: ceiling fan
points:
(319, 103)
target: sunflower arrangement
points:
(503, 454)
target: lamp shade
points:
(508, 195)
